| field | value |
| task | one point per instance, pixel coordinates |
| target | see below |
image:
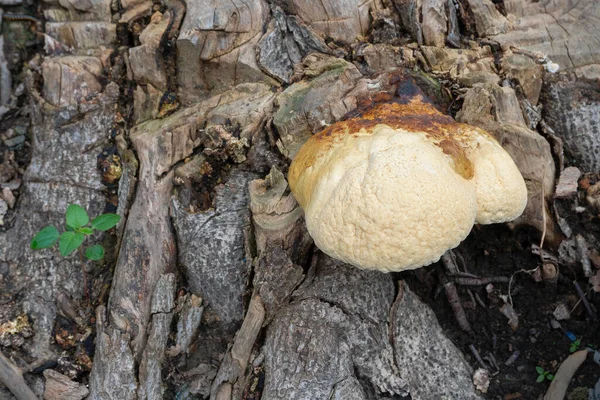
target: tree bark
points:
(212, 286)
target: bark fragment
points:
(276, 216)
(163, 303)
(335, 330)
(148, 247)
(286, 42)
(60, 387)
(229, 382)
(188, 322)
(146, 60)
(343, 20)
(556, 29)
(211, 248)
(113, 375)
(308, 106)
(429, 361)
(497, 111)
(216, 46)
(572, 110)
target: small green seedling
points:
(77, 229)
(574, 346)
(543, 375)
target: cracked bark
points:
(254, 300)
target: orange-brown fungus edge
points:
(415, 116)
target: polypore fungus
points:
(396, 187)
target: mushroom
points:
(396, 187)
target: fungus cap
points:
(398, 186)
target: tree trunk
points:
(183, 116)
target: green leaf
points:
(95, 252)
(45, 238)
(76, 216)
(539, 370)
(69, 241)
(550, 377)
(540, 378)
(86, 231)
(105, 221)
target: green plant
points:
(574, 346)
(542, 375)
(78, 227)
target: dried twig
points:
(481, 281)
(452, 294)
(12, 378)
(512, 358)
(456, 305)
(543, 218)
(472, 297)
(479, 301)
(584, 257)
(449, 261)
(579, 301)
(585, 302)
(528, 271)
(478, 357)
(493, 361)
(466, 275)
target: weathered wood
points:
(343, 20)
(188, 322)
(558, 30)
(435, 22)
(488, 20)
(334, 330)
(425, 357)
(383, 57)
(276, 216)
(286, 42)
(82, 36)
(496, 109)
(215, 48)
(163, 302)
(280, 234)
(572, 110)
(63, 170)
(467, 66)
(410, 16)
(211, 248)
(113, 375)
(276, 277)
(148, 247)
(60, 387)
(229, 382)
(307, 106)
(5, 77)
(147, 61)
(12, 378)
(78, 10)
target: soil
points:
(497, 251)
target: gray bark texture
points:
(183, 118)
